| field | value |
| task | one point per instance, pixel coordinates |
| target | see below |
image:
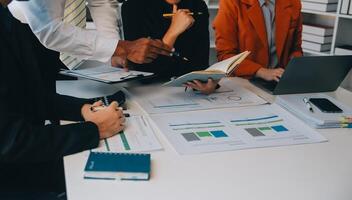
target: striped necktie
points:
(75, 14)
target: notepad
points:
(216, 71)
(117, 166)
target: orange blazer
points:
(239, 26)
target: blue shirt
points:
(269, 18)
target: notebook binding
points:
(117, 153)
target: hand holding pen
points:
(178, 55)
(180, 22)
(143, 50)
(169, 15)
(109, 120)
(96, 108)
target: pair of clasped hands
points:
(110, 119)
(146, 50)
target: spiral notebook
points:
(117, 166)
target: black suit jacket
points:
(144, 19)
(31, 152)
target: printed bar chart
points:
(262, 126)
(233, 129)
(197, 136)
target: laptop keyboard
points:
(267, 85)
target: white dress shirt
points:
(45, 19)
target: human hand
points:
(270, 74)
(118, 61)
(205, 88)
(110, 120)
(141, 51)
(5, 2)
(180, 22)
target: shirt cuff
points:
(104, 49)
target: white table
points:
(314, 171)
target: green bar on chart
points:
(204, 134)
(124, 141)
(264, 129)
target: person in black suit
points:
(31, 152)
(187, 34)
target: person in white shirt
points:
(45, 18)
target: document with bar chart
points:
(138, 136)
(168, 100)
(234, 129)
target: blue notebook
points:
(117, 166)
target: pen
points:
(172, 14)
(177, 54)
(308, 105)
(97, 108)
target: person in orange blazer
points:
(240, 25)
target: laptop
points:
(309, 75)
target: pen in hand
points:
(174, 53)
(308, 104)
(177, 54)
(172, 14)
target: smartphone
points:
(325, 105)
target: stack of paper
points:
(317, 118)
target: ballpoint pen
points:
(174, 53)
(97, 108)
(308, 105)
(177, 54)
(131, 75)
(172, 14)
